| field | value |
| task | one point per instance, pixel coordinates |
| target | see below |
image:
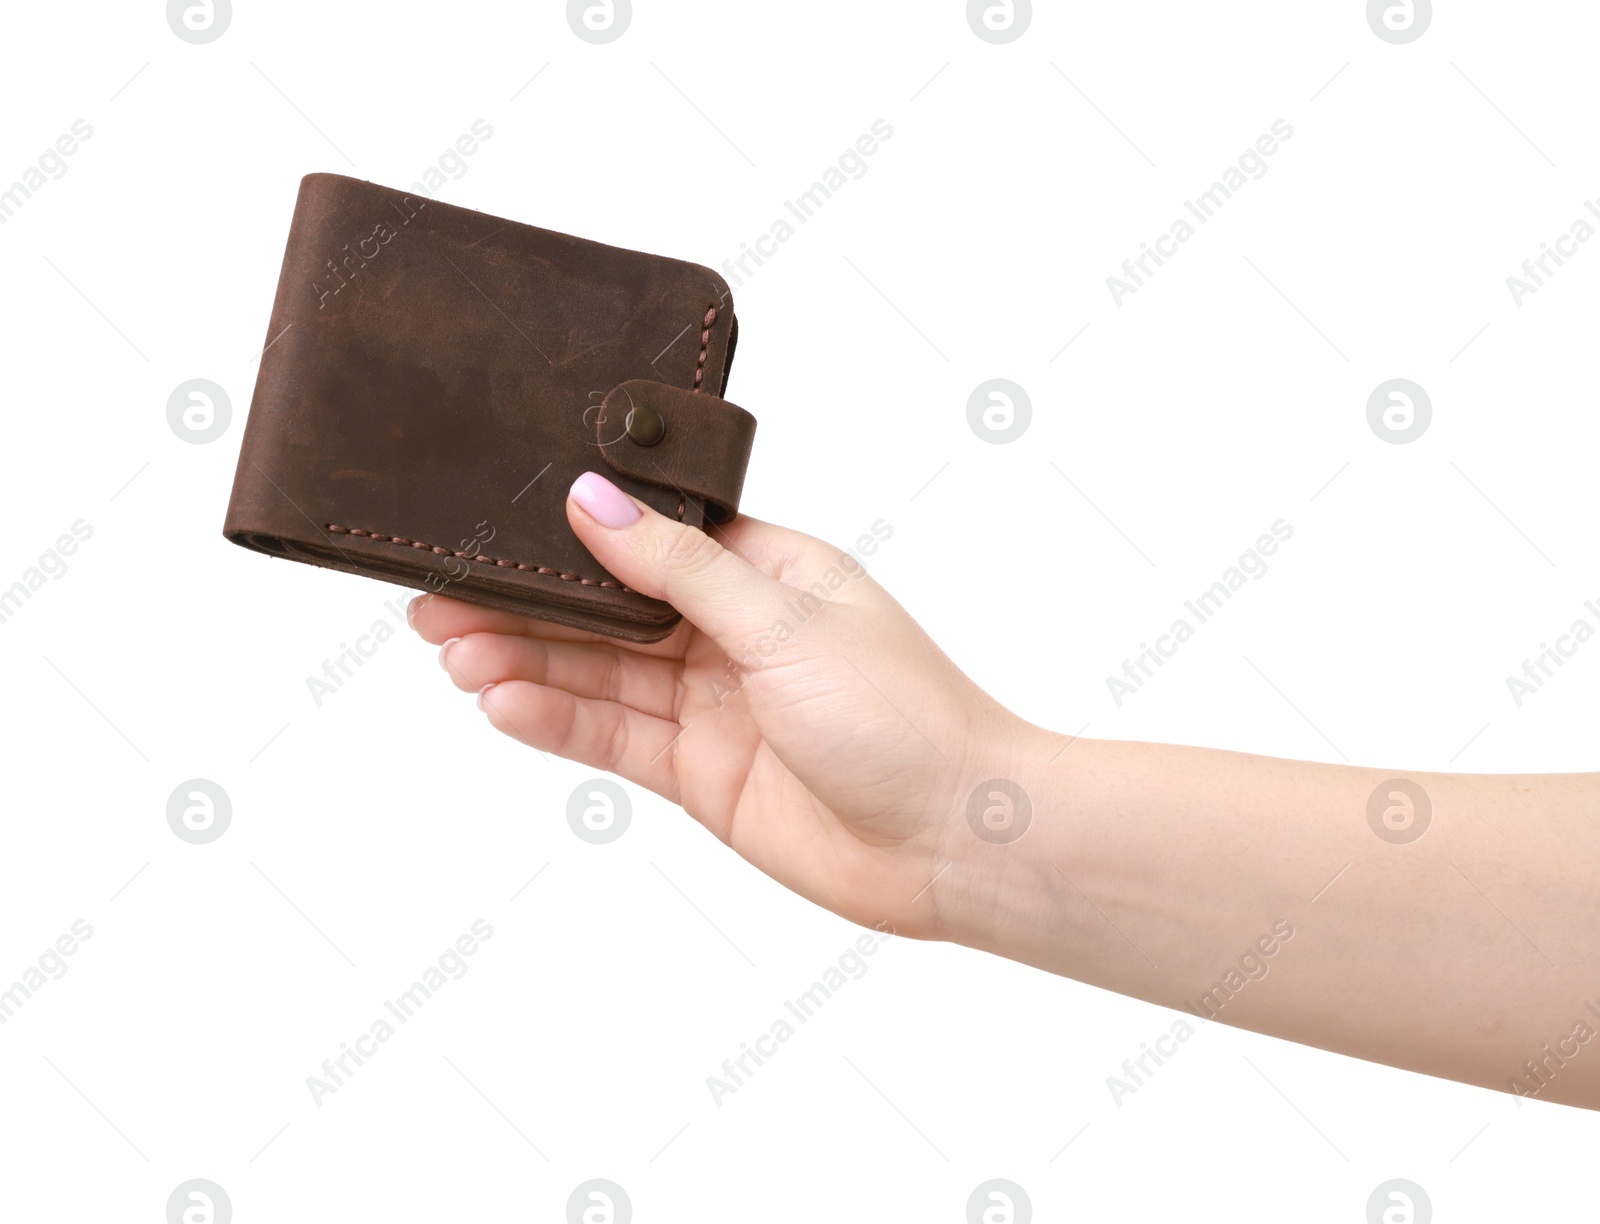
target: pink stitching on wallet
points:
(480, 558)
(705, 344)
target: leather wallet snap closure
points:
(693, 443)
(645, 425)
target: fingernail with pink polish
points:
(605, 503)
(483, 693)
(444, 651)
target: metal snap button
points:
(645, 425)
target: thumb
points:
(719, 591)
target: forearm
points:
(1256, 892)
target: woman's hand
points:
(799, 713)
(803, 717)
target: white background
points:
(369, 833)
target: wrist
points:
(1010, 843)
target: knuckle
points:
(614, 675)
(690, 551)
(616, 743)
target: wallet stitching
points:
(705, 345)
(498, 563)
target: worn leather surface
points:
(435, 378)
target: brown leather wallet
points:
(435, 378)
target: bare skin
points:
(832, 744)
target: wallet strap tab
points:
(690, 441)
